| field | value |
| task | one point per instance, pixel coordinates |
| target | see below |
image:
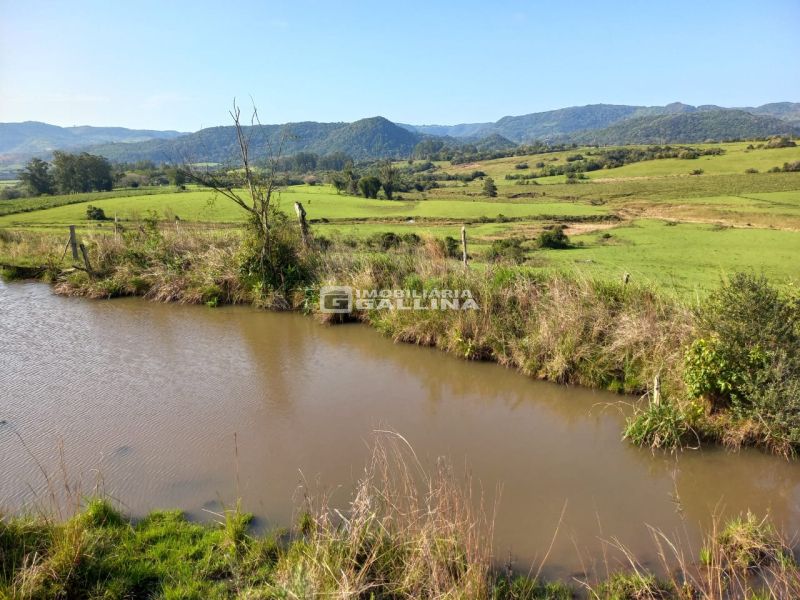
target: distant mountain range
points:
(564, 122)
(33, 137)
(377, 137)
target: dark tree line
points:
(308, 162)
(67, 174)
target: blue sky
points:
(178, 65)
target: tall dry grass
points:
(555, 326)
(184, 264)
(405, 534)
(745, 558)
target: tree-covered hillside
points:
(689, 127)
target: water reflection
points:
(152, 395)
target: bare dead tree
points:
(253, 189)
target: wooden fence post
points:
(301, 216)
(657, 390)
(73, 242)
(464, 244)
(86, 259)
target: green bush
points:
(780, 142)
(95, 213)
(452, 247)
(506, 250)
(747, 357)
(369, 186)
(554, 238)
(284, 268)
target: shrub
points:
(554, 238)
(780, 142)
(507, 250)
(575, 177)
(384, 241)
(521, 166)
(369, 186)
(452, 247)
(284, 269)
(751, 170)
(95, 213)
(696, 172)
(10, 193)
(747, 358)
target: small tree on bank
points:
(271, 254)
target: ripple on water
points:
(187, 407)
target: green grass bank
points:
(406, 533)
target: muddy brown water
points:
(150, 397)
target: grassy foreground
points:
(405, 534)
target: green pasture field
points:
(28, 205)
(320, 202)
(736, 160)
(683, 256)
(721, 221)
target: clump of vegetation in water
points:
(666, 424)
(750, 543)
(634, 586)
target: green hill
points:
(32, 137)
(697, 126)
(375, 137)
(565, 122)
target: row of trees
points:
(306, 162)
(385, 177)
(67, 174)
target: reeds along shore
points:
(727, 367)
(408, 532)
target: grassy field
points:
(683, 256)
(720, 221)
(321, 202)
(736, 160)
